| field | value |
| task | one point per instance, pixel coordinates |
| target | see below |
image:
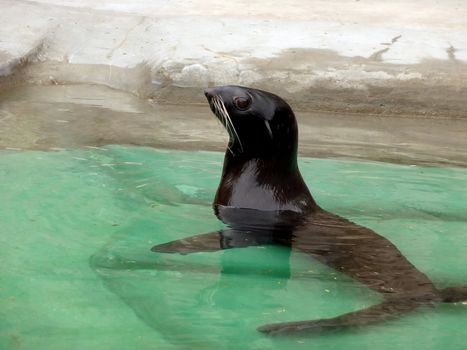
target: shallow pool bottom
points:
(77, 272)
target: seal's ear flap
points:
(263, 107)
(266, 122)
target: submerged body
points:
(264, 200)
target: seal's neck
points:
(266, 183)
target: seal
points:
(264, 200)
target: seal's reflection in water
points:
(351, 249)
(264, 200)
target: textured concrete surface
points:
(370, 57)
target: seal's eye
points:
(242, 103)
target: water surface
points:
(76, 271)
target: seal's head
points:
(259, 123)
(260, 166)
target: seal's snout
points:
(209, 93)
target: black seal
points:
(264, 200)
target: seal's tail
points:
(387, 310)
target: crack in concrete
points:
(125, 38)
(378, 55)
(395, 39)
(451, 51)
(228, 56)
(15, 63)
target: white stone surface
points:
(198, 43)
(351, 28)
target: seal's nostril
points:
(209, 93)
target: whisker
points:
(231, 124)
(220, 114)
(227, 122)
(224, 121)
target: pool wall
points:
(366, 57)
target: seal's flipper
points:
(206, 242)
(374, 314)
(454, 294)
(214, 241)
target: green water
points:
(76, 271)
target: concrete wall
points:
(355, 56)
